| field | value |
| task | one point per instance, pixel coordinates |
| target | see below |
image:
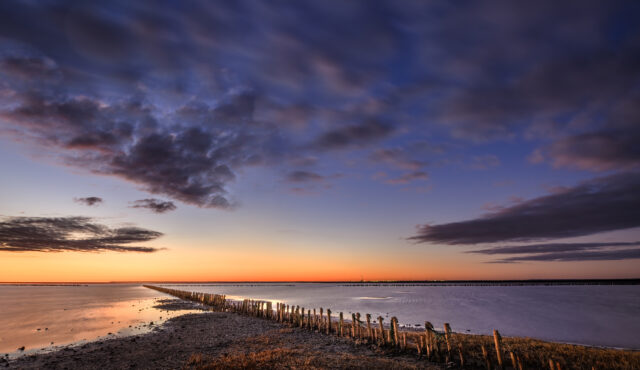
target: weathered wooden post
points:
(498, 342)
(369, 334)
(341, 325)
(328, 321)
(381, 330)
(485, 354)
(447, 337)
(353, 325)
(394, 331)
(321, 321)
(404, 340)
(428, 328)
(358, 329)
(462, 354)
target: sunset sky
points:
(319, 140)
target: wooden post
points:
(341, 325)
(302, 317)
(520, 362)
(358, 331)
(328, 321)
(321, 319)
(462, 354)
(309, 319)
(485, 354)
(369, 334)
(497, 339)
(404, 341)
(428, 328)
(447, 337)
(514, 363)
(394, 328)
(353, 325)
(381, 330)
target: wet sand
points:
(218, 340)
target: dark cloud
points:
(349, 136)
(155, 205)
(304, 176)
(601, 251)
(79, 234)
(598, 255)
(179, 99)
(90, 201)
(552, 247)
(597, 151)
(603, 204)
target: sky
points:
(319, 140)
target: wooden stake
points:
(497, 339)
(341, 325)
(462, 354)
(328, 321)
(447, 336)
(369, 334)
(394, 328)
(514, 363)
(485, 354)
(381, 330)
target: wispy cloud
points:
(90, 201)
(155, 205)
(78, 234)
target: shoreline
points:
(192, 340)
(234, 339)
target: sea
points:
(43, 318)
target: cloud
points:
(598, 251)
(552, 247)
(155, 205)
(599, 255)
(349, 136)
(180, 100)
(304, 176)
(598, 151)
(598, 205)
(398, 158)
(90, 201)
(408, 178)
(78, 234)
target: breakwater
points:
(431, 344)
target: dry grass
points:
(535, 354)
(286, 349)
(284, 358)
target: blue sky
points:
(410, 129)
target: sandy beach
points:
(219, 340)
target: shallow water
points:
(600, 315)
(43, 318)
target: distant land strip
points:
(358, 283)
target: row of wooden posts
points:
(430, 343)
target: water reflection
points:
(46, 317)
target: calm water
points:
(598, 315)
(594, 315)
(36, 316)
